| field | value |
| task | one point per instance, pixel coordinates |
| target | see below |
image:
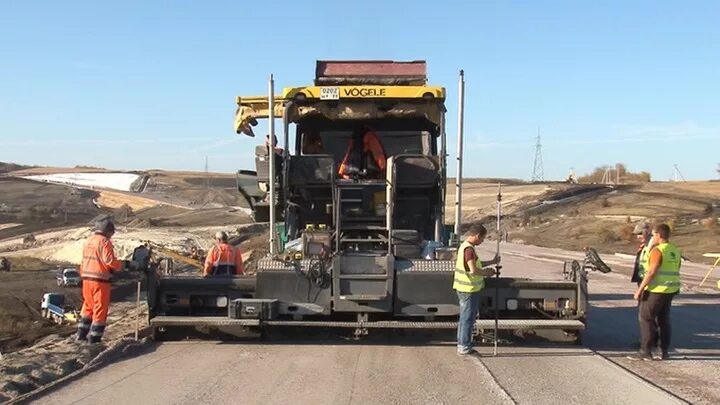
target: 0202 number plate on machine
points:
(329, 93)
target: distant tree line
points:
(614, 172)
(11, 167)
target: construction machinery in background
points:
(69, 277)
(358, 237)
(52, 306)
(195, 259)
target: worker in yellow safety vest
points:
(655, 293)
(469, 281)
(643, 233)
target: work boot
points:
(94, 340)
(466, 352)
(640, 356)
(663, 356)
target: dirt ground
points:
(604, 218)
(21, 324)
(171, 203)
(194, 190)
(35, 206)
(20, 292)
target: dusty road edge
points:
(122, 348)
(640, 378)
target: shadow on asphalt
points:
(694, 327)
(628, 296)
(338, 336)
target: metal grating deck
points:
(201, 321)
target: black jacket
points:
(636, 267)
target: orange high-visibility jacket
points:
(99, 259)
(223, 259)
(371, 145)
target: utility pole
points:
(207, 175)
(538, 174)
(676, 174)
(607, 177)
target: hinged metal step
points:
(363, 276)
(348, 218)
(565, 324)
(363, 228)
(363, 240)
(363, 297)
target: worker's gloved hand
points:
(495, 260)
(489, 271)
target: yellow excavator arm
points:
(252, 108)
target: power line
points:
(538, 172)
(677, 176)
(207, 174)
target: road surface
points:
(394, 369)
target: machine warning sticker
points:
(329, 93)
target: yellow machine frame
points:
(252, 108)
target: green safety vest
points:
(643, 261)
(667, 277)
(464, 281)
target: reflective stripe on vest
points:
(643, 261)
(464, 281)
(224, 265)
(667, 277)
(96, 276)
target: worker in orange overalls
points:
(369, 161)
(98, 264)
(223, 259)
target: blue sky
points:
(152, 84)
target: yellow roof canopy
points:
(344, 102)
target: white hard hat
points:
(221, 235)
(640, 228)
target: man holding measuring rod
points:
(470, 273)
